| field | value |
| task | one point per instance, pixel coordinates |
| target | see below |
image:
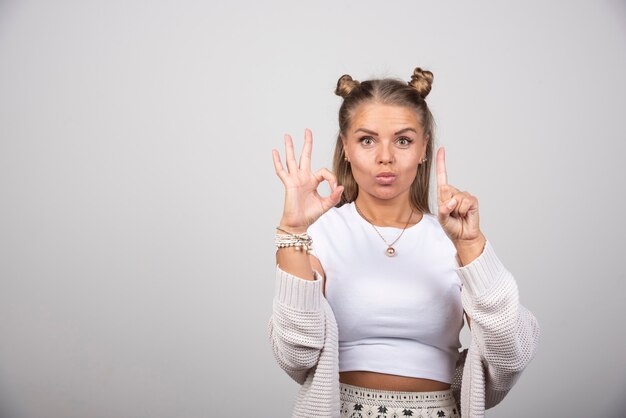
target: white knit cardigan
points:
(304, 338)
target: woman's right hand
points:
(303, 204)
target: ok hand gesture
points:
(458, 211)
(303, 204)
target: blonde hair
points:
(392, 92)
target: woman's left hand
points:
(458, 211)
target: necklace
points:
(390, 250)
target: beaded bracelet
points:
(298, 241)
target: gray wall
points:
(138, 197)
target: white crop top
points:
(398, 315)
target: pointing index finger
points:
(442, 175)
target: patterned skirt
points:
(358, 402)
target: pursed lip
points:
(386, 178)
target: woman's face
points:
(384, 145)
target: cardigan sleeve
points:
(505, 332)
(296, 328)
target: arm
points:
(467, 253)
(505, 332)
(296, 328)
(292, 261)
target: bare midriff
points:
(382, 381)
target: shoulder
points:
(328, 229)
(437, 233)
(332, 219)
(431, 220)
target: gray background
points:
(138, 197)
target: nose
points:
(385, 155)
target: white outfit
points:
(397, 315)
(303, 331)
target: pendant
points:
(391, 251)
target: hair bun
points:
(422, 81)
(345, 85)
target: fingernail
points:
(451, 204)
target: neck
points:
(390, 212)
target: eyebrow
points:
(401, 131)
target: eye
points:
(366, 140)
(404, 141)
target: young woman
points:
(371, 287)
